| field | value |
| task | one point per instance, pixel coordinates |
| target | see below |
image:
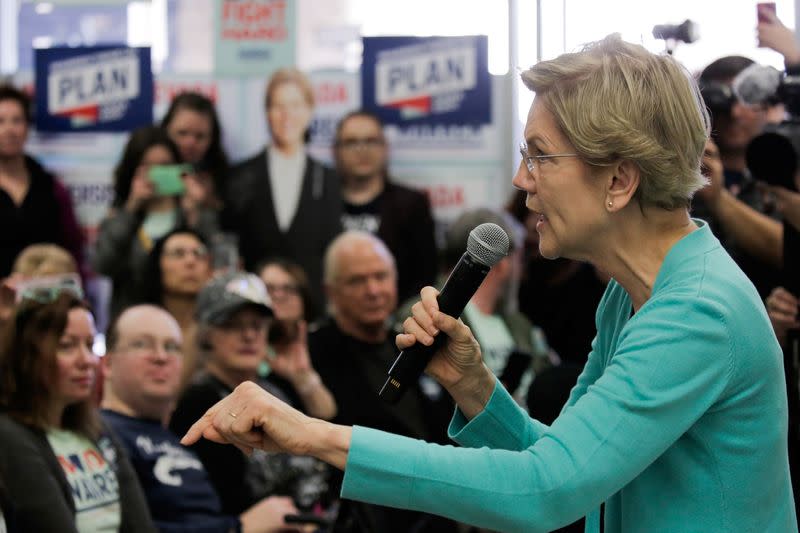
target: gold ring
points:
(234, 415)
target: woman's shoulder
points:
(17, 436)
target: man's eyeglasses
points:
(360, 144)
(147, 346)
(533, 161)
(199, 252)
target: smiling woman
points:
(63, 470)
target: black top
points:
(354, 371)
(37, 219)
(404, 222)
(250, 213)
(564, 309)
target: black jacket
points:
(38, 489)
(250, 213)
(407, 228)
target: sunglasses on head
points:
(47, 289)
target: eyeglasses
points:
(273, 289)
(200, 252)
(47, 289)
(240, 326)
(532, 161)
(147, 346)
(360, 144)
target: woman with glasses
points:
(177, 268)
(233, 314)
(62, 469)
(282, 202)
(152, 196)
(288, 289)
(678, 421)
(288, 365)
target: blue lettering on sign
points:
(101, 83)
(417, 76)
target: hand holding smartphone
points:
(762, 8)
(168, 179)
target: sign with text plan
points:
(432, 80)
(93, 89)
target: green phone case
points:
(167, 179)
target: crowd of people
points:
(597, 372)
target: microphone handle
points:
(464, 280)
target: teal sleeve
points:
(501, 425)
(665, 374)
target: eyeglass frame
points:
(200, 252)
(528, 158)
(46, 289)
(358, 145)
(145, 346)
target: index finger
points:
(200, 427)
(428, 297)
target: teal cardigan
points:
(678, 423)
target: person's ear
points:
(622, 185)
(105, 365)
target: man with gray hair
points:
(352, 351)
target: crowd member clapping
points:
(151, 197)
(62, 469)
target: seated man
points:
(142, 370)
(352, 352)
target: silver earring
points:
(610, 203)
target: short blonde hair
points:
(616, 101)
(289, 75)
(44, 260)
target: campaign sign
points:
(253, 37)
(433, 80)
(102, 88)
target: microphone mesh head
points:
(488, 243)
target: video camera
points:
(772, 156)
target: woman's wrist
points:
(330, 442)
(473, 391)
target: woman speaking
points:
(678, 422)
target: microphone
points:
(486, 246)
(757, 84)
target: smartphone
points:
(307, 518)
(762, 8)
(168, 179)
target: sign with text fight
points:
(253, 37)
(93, 88)
(427, 80)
